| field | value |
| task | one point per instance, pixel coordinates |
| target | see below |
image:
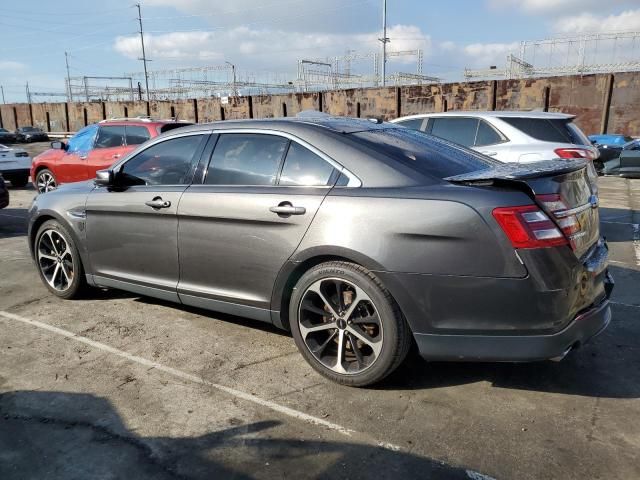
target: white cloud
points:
(545, 7)
(8, 65)
(591, 23)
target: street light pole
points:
(384, 41)
(144, 56)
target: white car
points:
(15, 164)
(508, 136)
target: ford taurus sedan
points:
(359, 237)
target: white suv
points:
(15, 164)
(508, 136)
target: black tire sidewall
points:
(78, 282)
(387, 312)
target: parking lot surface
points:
(121, 386)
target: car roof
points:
(321, 121)
(491, 114)
(139, 121)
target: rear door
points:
(257, 199)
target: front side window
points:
(82, 141)
(457, 130)
(137, 134)
(302, 167)
(246, 159)
(165, 163)
(110, 136)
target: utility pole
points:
(2, 90)
(144, 56)
(28, 93)
(233, 72)
(66, 60)
(384, 41)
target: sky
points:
(260, 37)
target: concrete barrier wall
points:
(601, 103)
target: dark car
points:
(627, 163)
(4, 193)
(31, 134)
(6, 136)
(359, 237)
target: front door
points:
(132, 229)
(238, 228)
(72, 166)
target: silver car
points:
(508, 136)
(359, 237)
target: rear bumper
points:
(520, 348)
(15, 171)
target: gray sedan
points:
(359, 237)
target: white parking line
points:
(187, 376)
(636, 241)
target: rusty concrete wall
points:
(289, 105)
(624, 114)
(57, 121)
(600, 103)
(77, 117)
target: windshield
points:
(424, 153)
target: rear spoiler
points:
(520, 171)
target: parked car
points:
(611, 152)
(6, 136)
(15, 165)
(626, 163)
(610, 139)
(359, 237)
(508, 136)
(4, 193)
(31, 134)
(93, 148)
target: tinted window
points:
(426, 154)
(548, 130)
(3, 130)
(110, 136)
(137, 134)
(246, 159)
(165, 163)
(487, 135)
(458, 130)
(303, 167)
(414, 123)
(82, 141)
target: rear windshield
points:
(558, 130)
(424, 153)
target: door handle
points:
(157, 203)
(286, 209)
(83, 157)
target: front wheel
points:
(45, 181)
(347, 325)
(58, 261)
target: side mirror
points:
(58, 145)
(104, 178)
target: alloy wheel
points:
(55, 260)
(45, 182)
(340, 325)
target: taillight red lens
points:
(567, 221)
(575, 153)
(528, 227)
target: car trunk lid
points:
(561, 188)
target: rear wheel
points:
(58, 261)
(347, 325)
(45, 181)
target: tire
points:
(58, 262)
(45, 181)
(19, 181)
(374, 334)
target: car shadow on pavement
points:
(77, 435)
(13, 222)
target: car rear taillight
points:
(575, 153)
(528, 227)
(567, 221)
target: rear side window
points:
(305, 168)
(137, 134)
(426, 154)
(413, 123)
(458, 130)
(110, 136)
(487, 135)
(246, 159)
(556, 130)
